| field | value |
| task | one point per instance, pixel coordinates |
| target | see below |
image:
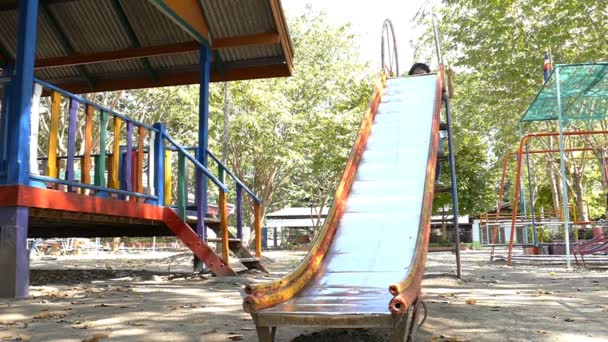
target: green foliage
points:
(289, 138)
(497, 49)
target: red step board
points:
(26, 196)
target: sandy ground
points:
(153, 297)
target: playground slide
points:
(366, 267)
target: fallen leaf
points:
(236, 338)
(96, 337)
(541, 332)
(568, 320)
(471, 301)
(52, 314)
(207, 332)
(137, 324)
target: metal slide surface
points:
(375, 242)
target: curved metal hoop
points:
(388, 36)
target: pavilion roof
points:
(101, 45)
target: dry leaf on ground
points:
(51, 314)
(96, 337)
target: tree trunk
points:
(577, 187)
(555, 188)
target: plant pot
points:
(558, 248)
(531, 250)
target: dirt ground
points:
(153, 297)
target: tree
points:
(290, 138)
(497, 49)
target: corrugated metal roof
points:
(92, 26)
(231, 18)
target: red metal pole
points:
(520, 153)
(523, 140)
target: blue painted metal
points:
(69, 168)
(448, 118)
(196, 163)
(127, 160)
(6, 97)
(93, 187)
(84, 101)
(203, 135)
(239, 212)
(159, 162)
(562, 163)
(18, 151)
(236, 179)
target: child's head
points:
(419, 69)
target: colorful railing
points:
(133, 162)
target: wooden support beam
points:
(114, 175)
(51, 165)
(224, 227)
(279, 20)
(180, 78)
(258, 229)
(181, 13)
(152, 51)
(267, 38)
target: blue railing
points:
(134, 166)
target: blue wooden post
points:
(239, 211)
(14, 258)
(200, 193)
(6, 97)
(159, 162)
(69, 168)
(18, 151)
(203, 134)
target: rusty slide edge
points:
(407, 291)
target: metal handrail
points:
(195, 162)
(387, 27)
(90, 186)
(87, 102)
(236, 179)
